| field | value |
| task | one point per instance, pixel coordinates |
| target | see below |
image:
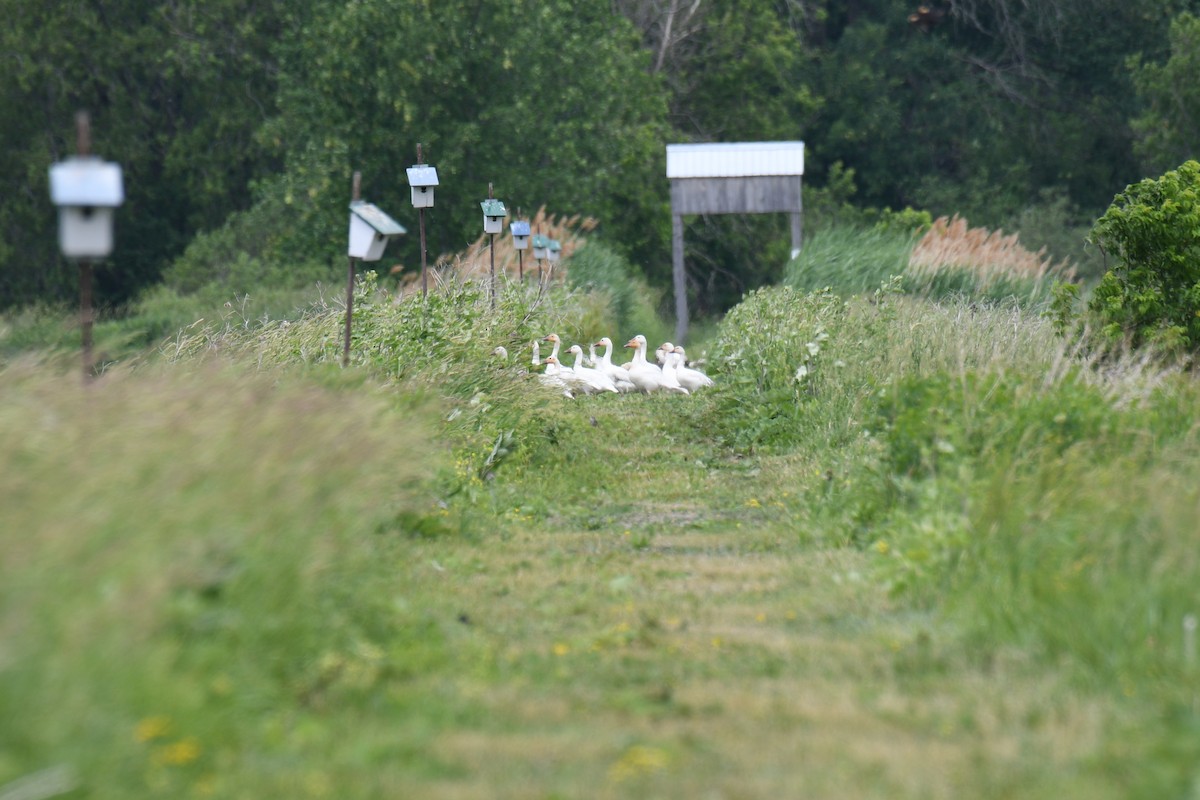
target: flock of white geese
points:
(596, 373)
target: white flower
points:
(813, 348)
(802, 373)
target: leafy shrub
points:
(771, 354)
(1053, 223)
(1152, 294)
(245, 254)
(595, 267)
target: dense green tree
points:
(1168, 130)
(551, 102)
(1152, 292)
(176, 91)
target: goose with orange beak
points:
(619, 375)
(645, 376)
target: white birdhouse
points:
(86, 190)
(370, 230)
(520, 234)
(422, 178)
(555, 250)
(493, 216)
(541, 247)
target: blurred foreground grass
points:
(181, 550)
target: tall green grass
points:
(197, 562)
(850, 260)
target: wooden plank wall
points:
(749, 195)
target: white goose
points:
(556, 378)
(592, 381)
(553, 339)
(691, 379)
(550, 376)
(645, 376)
(619, 375)
(670, 378)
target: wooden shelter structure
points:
(731, 178)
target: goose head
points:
(553, 338)
(604, 342)
(637, 343)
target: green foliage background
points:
(239, 124)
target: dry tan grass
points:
(990, 256)
(475, 262)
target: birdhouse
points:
(86, 190)
(520, 234)
(541, 247)
(493, 215)
(421, 179)
(370, 230)
(554, 250)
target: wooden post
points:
(798, 225)
(492, 252)
(679, 278)
(356, 194)
(421, 218)
(83, 146)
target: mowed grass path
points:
(675, 627)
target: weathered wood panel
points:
(753, 195)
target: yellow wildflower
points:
(151, 728)
(178, 754)
(638, 760)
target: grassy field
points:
(952, 556)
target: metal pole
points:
(520, 268)
(356, 194)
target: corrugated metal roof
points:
(422, 175)
(493, 208)
(86, 181)
(735, 159)
(520, 228)
(381, 222)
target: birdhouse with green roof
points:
(554, 250)
(541, 247)
(370, 230)
(493, 215)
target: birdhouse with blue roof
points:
(520, 234)
(86, 191)
(541, 247)
(493, 215)
(422, 178)
(370, 231)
